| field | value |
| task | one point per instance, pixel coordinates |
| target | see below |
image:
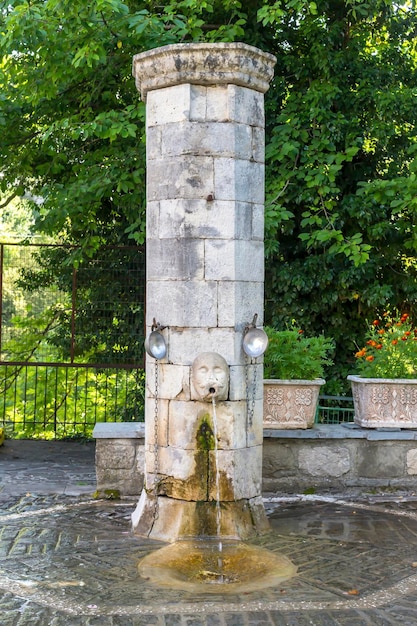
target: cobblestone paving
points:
(72, 561)
(68, 560)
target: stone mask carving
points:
(209, 377)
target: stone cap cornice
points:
(203, 64)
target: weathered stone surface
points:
(240, 473)
(380, 462)
(247, 107)
(204, 64)
(238, 260)
(119, 430)
(258, 145)
(384, 402)
(177, 462)
(287, 463)
(117, 454)
(168, 106)
(204, 219)
(175, 259)
(257, 222)
(152, 219)
(120, 481)
(120, 465)
(240, 520)
(411, 461)
(205, 259)
(173, 380)
(238, 301)
(162, 426)
(185, 418)
(242, 381)
(291, 403)
(225, 139)
(320, 460)
(183, 475)
(190, 303)
(186, 343)
(189, 177)
(278, 457)
(154, 143)
(239, 180)
(254, 432)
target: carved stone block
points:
(291, 403)
(384, 402)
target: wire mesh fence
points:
(71, 339)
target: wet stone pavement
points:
(69, 560)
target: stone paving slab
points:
(71, 560)
(47, 467)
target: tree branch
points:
(8, 200)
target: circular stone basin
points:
(202, 566)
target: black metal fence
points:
(71, 339)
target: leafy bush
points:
(292, 355)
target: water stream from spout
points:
(218, 510)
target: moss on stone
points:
(205, 436)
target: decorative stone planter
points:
(384, 402)
(291, 403)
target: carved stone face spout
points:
(209, 377)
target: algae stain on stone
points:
(205, 435)
(205, 442)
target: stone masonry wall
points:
(318, 459)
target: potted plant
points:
(385, 387)
(293, 370)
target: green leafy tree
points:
(70, 117)
(341, 139)
(342, 188)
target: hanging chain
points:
(155, 446)
(250, 389)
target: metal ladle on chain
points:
(155, 344)
(255, 340)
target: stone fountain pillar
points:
(205, 276)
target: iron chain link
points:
(155, 446)
(250, 388)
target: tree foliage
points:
(341, 138)
(341, 205)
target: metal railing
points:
(59, 400)
(71, 342)
(335, 410)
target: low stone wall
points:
(325, 457)
(120, 457)
(339, 457)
